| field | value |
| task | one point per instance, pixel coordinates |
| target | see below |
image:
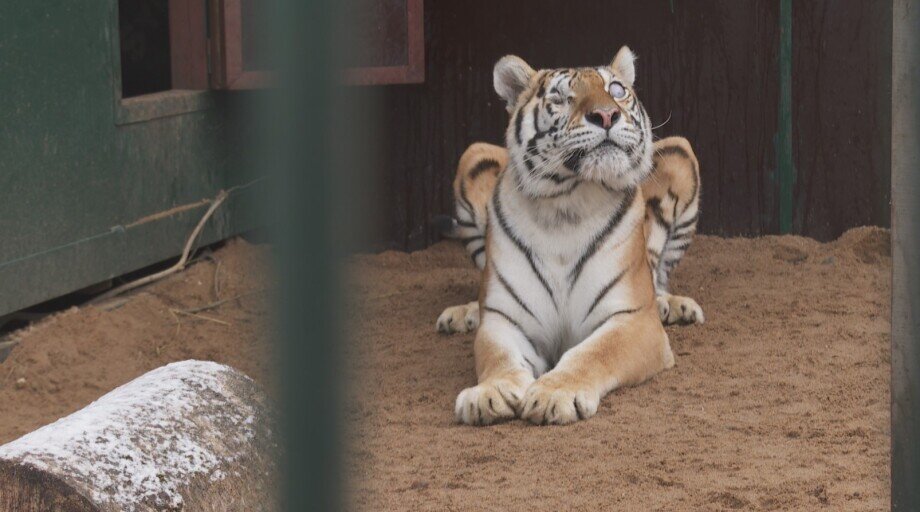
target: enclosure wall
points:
(707, 70)
(94, 187)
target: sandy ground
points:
(779, 402)
(64, 362)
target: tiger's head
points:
(574, 125)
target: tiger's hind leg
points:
(672, 195)
(474, 183)
(462, 318)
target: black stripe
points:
(476, 254)
(634, 153)
(477, 248)
(673, 196)
(562, 192)
(557, 179)
(508, 318)
(464, 202)
(615, 313)
(469, 239)
(466, 224)
(672, 150)
(519, 113)
(654, 204)
(514, 295)
(503, 223)
(542, 90)
(536, 127)
(600, 237)
(687, 222)
(573, 161)
(604, 291)
(531, 149)
(515, 323)
(533, 367)
(483, 165)
(677, 150)
(682, 247)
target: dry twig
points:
(189, 245)
(203, 317)
(180, 265)
(219, 303)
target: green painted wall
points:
(76, 175)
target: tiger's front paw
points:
(461, 319)
(549, 402)
(675, 309)
(489, 402)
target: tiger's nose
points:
(603, 117)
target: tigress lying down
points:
(576, 228)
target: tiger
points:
(576, 227)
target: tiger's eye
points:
(617, 90)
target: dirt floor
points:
(778, 402)
(64, 362)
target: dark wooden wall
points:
(710, 66)
(842, 115)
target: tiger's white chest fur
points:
(553, 261)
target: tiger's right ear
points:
(511, 77)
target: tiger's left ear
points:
(624, 66)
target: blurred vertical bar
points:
(296, 133)
(905, 239)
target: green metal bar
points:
(784, 162)
(905, 248)
(297, 141)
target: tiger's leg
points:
(672, 195)
(505, 366)
(474, 183)
(622, 352)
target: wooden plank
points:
(231, 70)
(905, 312)
(56, 271)
(188, 44)
(841, 115)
